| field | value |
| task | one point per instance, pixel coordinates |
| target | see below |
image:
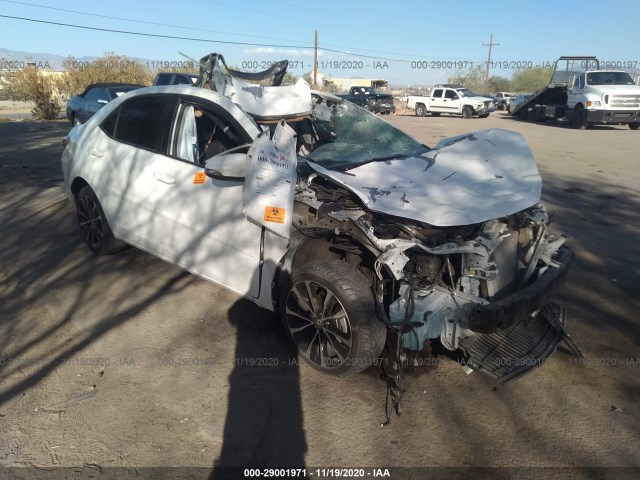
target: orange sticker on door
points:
(274, 214)
(199, 178)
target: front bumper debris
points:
(519, 306)
(507, 354)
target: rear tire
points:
(435, 114)
(421, 110)
(328, 310)
(94, 227)
(467, 112)
(634, 126)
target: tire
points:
(75, 120)
(93, 224)
(328, 311)
(484, 115)
(467, 112)
(421, 110)
(578, 118)
(435, 114)
(634, 126)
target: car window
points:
(163, 80)
(138, 122)
(202, 133)
(437, 93)
(96, 94)
(450, 94)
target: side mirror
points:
(231, 166)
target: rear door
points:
(127, 155)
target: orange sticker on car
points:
(274, 214)
(199, 178)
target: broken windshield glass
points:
(353, 136)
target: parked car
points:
(369, 98)
(452, 99)
(81, 108)
(503, 99)
(513, 104)
(172, 78)
(361, 230)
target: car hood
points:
(463, 180)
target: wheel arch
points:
(306, 249)
(78, 184)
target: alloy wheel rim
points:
(319, 324)
(91, 223)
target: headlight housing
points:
(593, 103)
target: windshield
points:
(465, 92)
(609, 78)
(353, 137)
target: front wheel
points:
(328, 311)
(579, 117)
(75, 120)
(634, 126)
(467, 112)
(484, 115)
(94, 227)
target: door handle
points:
(96, 153)
(164, 178)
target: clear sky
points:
(394, 34)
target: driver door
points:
(204, 229)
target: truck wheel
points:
(579, 117)
(328, 310)
(467, 112)
(421, 111)
(435, 114)
(484, 115)
(634, 126)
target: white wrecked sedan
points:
(316, 208)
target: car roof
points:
(110, 85)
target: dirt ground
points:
(127, 361)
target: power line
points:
(193, 39)
(111, 17)
(146, 22)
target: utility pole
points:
(315, 62)
(490, 44)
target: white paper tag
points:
(267, 194)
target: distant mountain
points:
(12, 59)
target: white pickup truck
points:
(453, 99)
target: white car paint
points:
(463, 180)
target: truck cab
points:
(603, 97)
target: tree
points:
(32, 85)
(472, 78)
(499, 84)
(110, 68)
(531, 79)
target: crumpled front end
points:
(485, 290)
